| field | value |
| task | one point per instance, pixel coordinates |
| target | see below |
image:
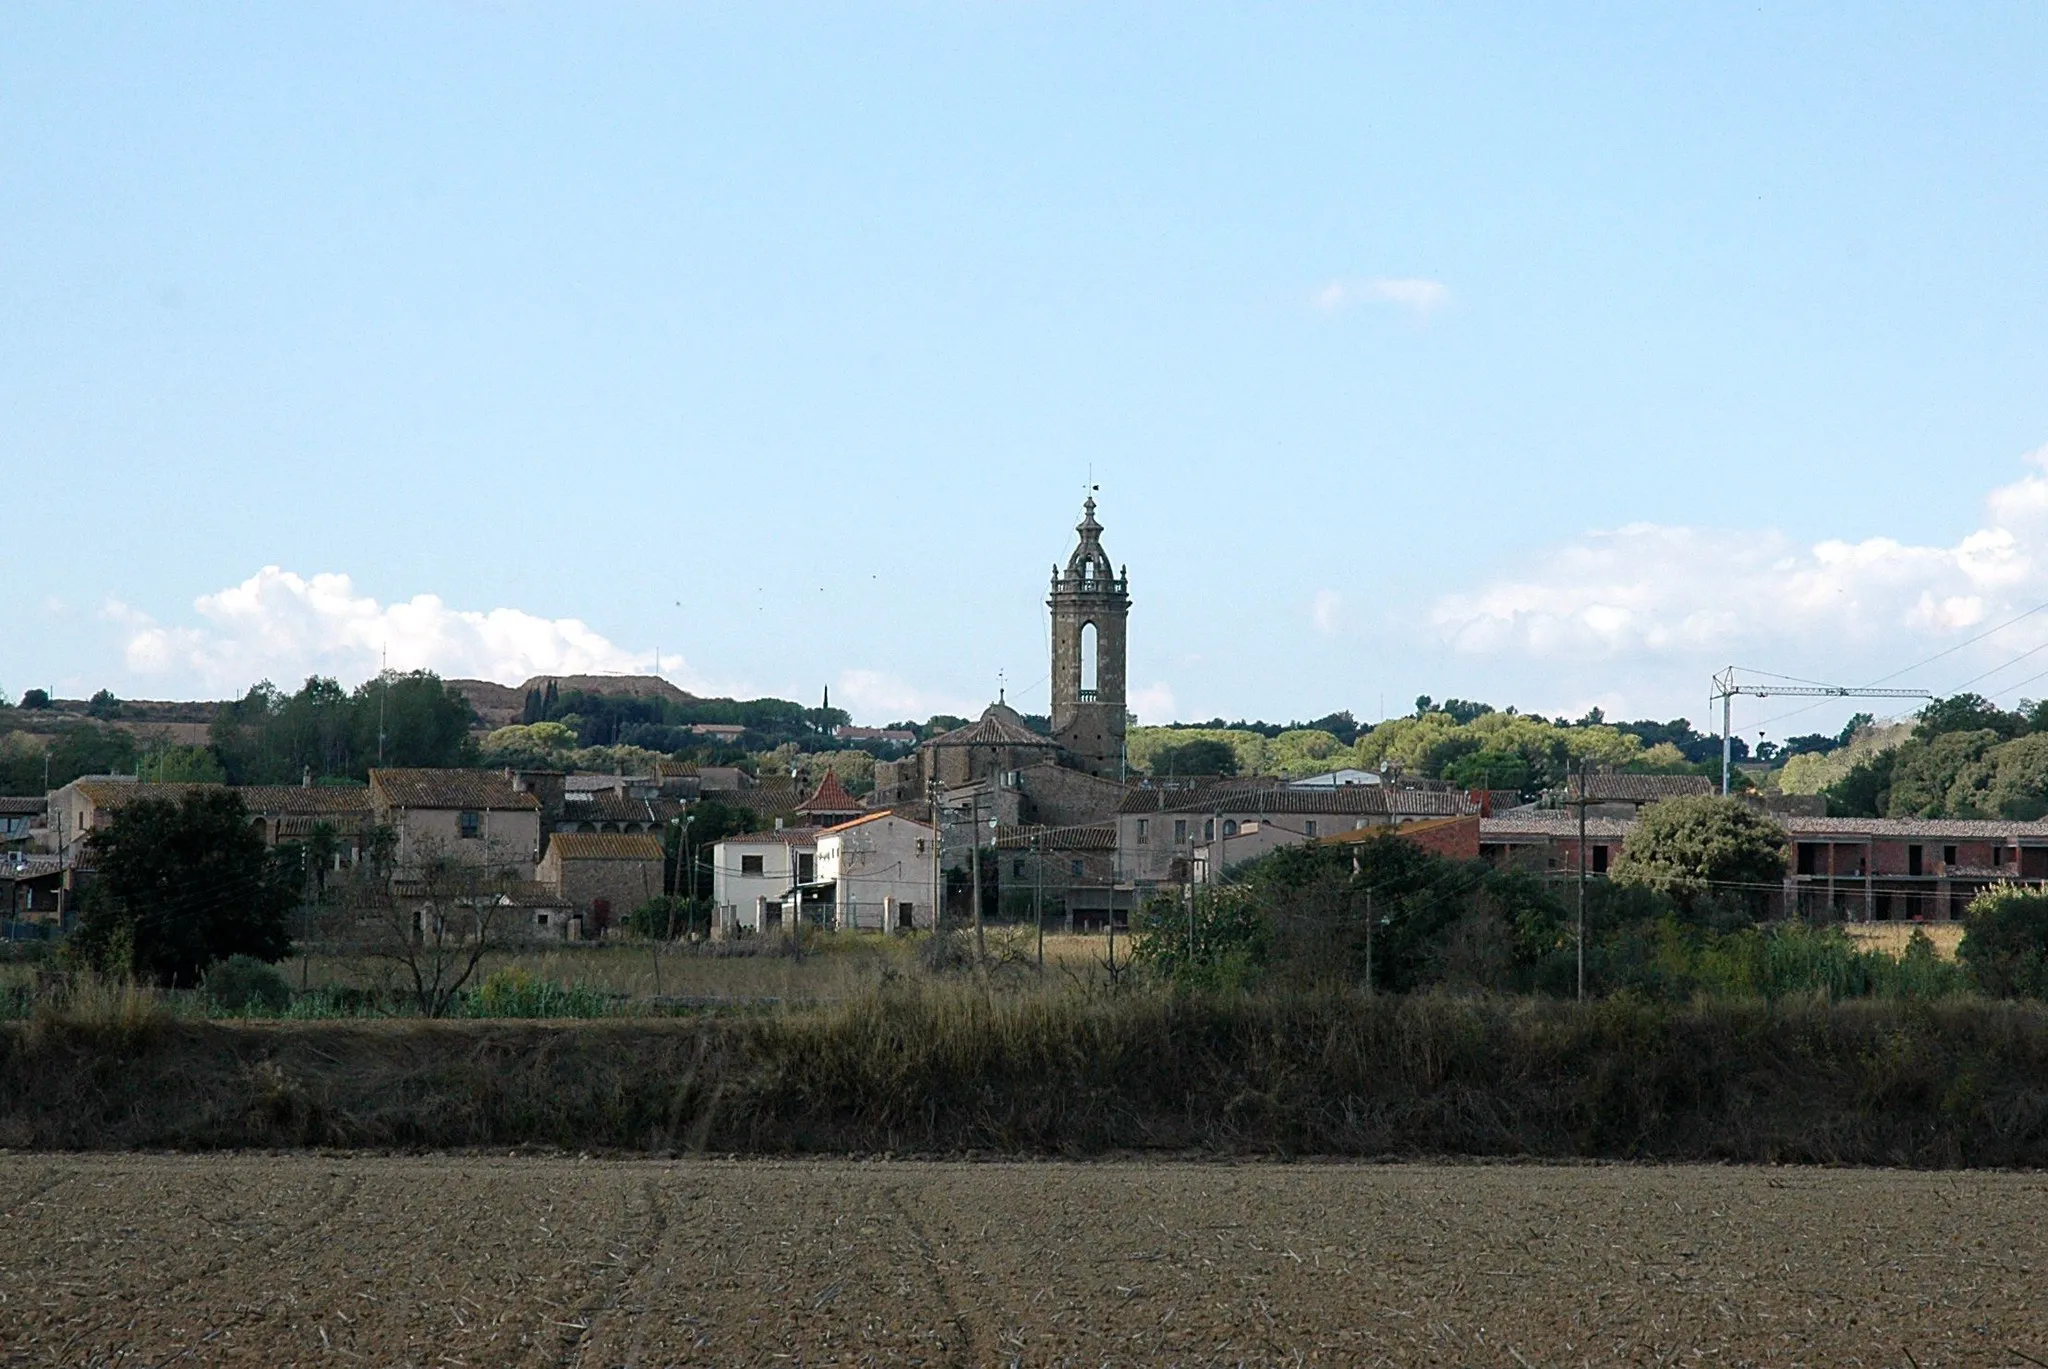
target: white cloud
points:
(281, 626)
(1327, 611)
(1650, 592)
(1421, 297)
(875, 697)
(1154, 704)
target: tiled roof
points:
(999, 725)
(1638, 788)
(526, 893)
(830, 797)
(1096, 837)
(773, 797)
(310, 800)
(786, 836)
(450, 789)
(605, 846)
(863, 820)
(1252, 798)
(1550, 824)
(1936, 829)
(610, 807)
(29, 805)
(29, 867)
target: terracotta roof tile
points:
(450, 789)
(1638, 788)
(605, 846)
(830, 797)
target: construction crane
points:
(1726, 688)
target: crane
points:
(1726, 688)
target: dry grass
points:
(1891, 937)
(965, 1067)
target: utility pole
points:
(1726, 688)
(1582, 878)
(974, 876)
(935, 792)
(383, 697)
(1038, 893)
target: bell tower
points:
(1090, 603)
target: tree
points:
(1967, 713)
(103, 706)
(1866, 791)
(434, 920)
(1489, 770)
(182, 884)
(1195, 758)
(1692, 848)
(1933, 776)
(424, 721)
(35, 698)
(2005, 944)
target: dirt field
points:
(261, 1260)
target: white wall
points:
(875, 868)
(736, 893)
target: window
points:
(1948, 855)
(750, 865)
(1017, 869)
(1142, 827)
(1089, 663)
(1311, 829)
(1230, 827)
(1076, 869)
(806, 869)
(1913, 861)
(469, 825)
(1208, 829)
(1998, 855)
(1599, 860)
(1809, 857)
(1180, 831)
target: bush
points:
(669, 917)
(513, 992)
(2005, 945)
(243, 984)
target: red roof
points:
(830, 797)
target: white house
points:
(880, 871)
(755, 874)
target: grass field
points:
(256, 1260)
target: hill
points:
(502, 705)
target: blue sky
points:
(1549, 355)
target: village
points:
(992, 821)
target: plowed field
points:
(264, 1260)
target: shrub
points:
(513, 992)
(243, 984)
(2005, 945)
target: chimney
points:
(306, 778)
(778, 824)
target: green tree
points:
(35, 698)
(1195, 758)
(424, 721)
(103, 706)
(1926, 772)
(180, 885)
(2005, 943)
(1489, 770)
(1866, 791)
(1967, 713)
(1694, 849)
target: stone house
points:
(279, 812)
(602, 876)
(477, 817)
(879, 869)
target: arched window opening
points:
(1088, 662)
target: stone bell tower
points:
(1090, 603)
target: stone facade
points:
(1089, 600)
(603, 876)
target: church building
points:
(998, 766)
